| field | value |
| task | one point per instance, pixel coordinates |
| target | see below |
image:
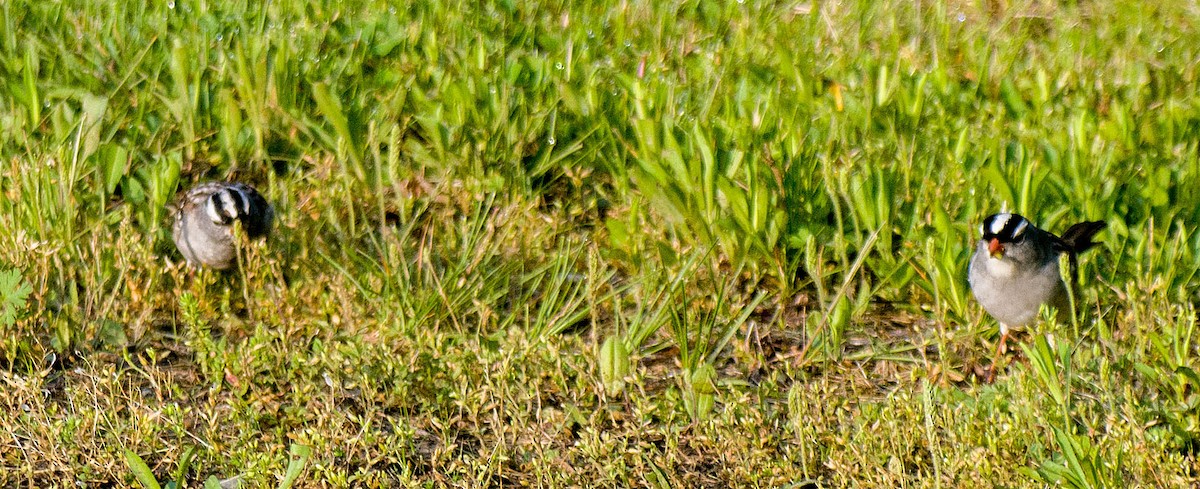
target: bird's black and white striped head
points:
(227, 204)
(1012, 237)
(1004, 228)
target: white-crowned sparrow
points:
(1015, 269)
(204, 218)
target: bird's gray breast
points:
(203, 242)
(1012, 292)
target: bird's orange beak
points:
(995, 248)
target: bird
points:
(204, 219)
(1015, 269)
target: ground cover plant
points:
(568, 244)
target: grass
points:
(550, 244)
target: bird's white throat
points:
(999, 267)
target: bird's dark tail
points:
(1078, 238)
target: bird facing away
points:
(205, 217)
(1015, 269)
